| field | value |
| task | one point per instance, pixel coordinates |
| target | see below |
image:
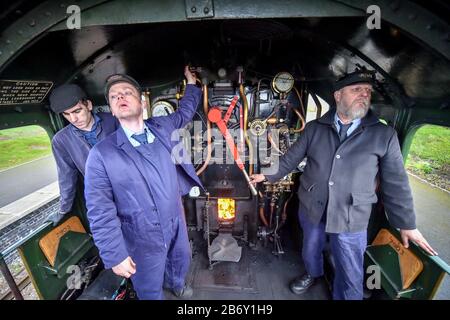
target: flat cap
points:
(65, 97)
(116, 78)
(357, 76)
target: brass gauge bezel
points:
(168, 105)
(277, 77)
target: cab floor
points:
(259, 275)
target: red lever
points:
(230, 109)
(215, 116)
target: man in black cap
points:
(348, 151)
(72, 144)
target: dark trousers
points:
(347, 249)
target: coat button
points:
(331, 183)
(338, 156)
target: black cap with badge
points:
(116, 78)
(65, 97)
(358, 76)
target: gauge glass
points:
(283, 82)
(162, 108)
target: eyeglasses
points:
(358, 90)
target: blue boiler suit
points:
(71, 150)
(171, 261)
(133, 197)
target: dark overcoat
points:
(340, 179)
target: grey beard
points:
(360, 113)
(353, 114)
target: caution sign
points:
(23, 92)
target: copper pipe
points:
(272, 207)
(272, 120)
(262, 216)
(269, 116)
(300, 99)
(208, 131)
(180, 94)
(301, 118)
(269, 137)
(283, 214)
(249, 144)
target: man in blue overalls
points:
(72, 144)
(134, 188)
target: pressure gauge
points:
(162, 108)
(283, 82)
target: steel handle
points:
(252, 187)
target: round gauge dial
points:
(162, 108)
(283, 82)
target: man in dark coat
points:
(134, 184)
(347, 149)
(72, 144)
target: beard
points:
(355, 110)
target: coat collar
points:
(124, 144)
(97, 126)
(122, 138)
(368, 120)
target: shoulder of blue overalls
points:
(192, 88)
(107, 142)
(104, 116)
(63, 134)
(109, 119)
(154, 122)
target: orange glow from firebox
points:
(226, 209)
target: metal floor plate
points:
(259, 275)
(231, 276)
